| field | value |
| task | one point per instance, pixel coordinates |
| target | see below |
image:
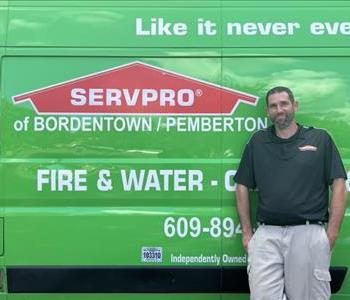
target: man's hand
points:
(243, 207)
(246, 237)
(331, 238)
(336, 214)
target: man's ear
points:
(296, 105)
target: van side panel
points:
(122, 126)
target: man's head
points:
(281, 106)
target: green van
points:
(122, 124)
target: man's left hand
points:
(331, 238)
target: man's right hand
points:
(243, 207)
(246, 237)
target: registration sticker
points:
(152, 254)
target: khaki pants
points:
(289, 263)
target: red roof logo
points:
(135, 88)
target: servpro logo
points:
(136, 88)
(136, 97)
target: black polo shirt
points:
(292, 175)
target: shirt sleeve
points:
(245, 172)
(334, 167)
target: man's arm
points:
(243, 207)
(337, 209)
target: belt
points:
(306, 222)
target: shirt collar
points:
(273, 138)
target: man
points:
(292, 166)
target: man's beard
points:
(283, 123)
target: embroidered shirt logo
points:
(308, 148)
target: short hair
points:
(279, 89)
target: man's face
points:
(281, 109)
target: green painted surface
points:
(3, 22)
(237, 26)
(49, 42)
(1, 236)
(118, 296)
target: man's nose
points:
(279, 109)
